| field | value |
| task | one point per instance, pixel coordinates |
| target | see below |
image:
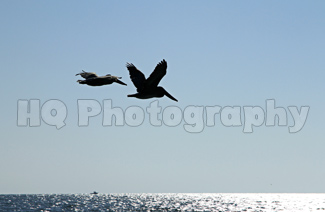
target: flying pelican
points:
(92, 79)
(148, 88)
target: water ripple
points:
(163, 202)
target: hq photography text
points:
(31, 113)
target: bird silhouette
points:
(148, 88)
(92, 79)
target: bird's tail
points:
(81, 81)
(132, 95)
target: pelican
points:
(148, 88)
(92, 79)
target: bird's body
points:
(155, 92)
(148, 88)
(92, 79)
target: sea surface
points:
(164, 202)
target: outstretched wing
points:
(136, 76)
(87, 75)
(157, 74)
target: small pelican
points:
(148, 88)
(92, 79)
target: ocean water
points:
(164, 202)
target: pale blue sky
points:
(226, 53)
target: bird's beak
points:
(170, 96)
(120, 82)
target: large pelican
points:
(148, 88)
(92, 79)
